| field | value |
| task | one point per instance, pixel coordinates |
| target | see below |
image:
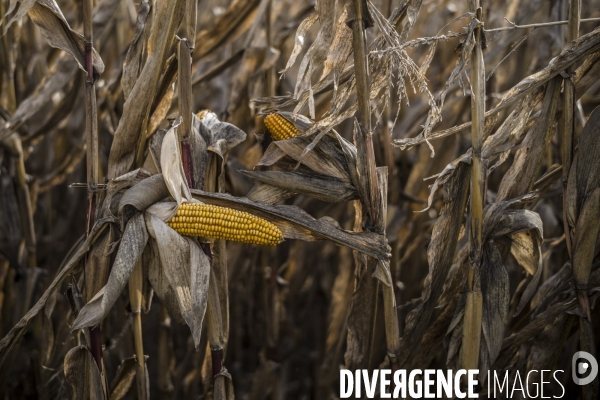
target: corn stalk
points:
(217, 311)
(568, 127)
(7, 58)
(215, 324)
(271, 74)
(359, 21)
(473, 308)
(91, 128)
(136, 285)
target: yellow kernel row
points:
(215, 222)
(280, 128)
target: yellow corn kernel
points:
(215, 222)
(280, 128)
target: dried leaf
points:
(587, 170)
(224, 136)
(172, 167)
(496, 299)
(321, 187)
(123, 379)
(439, 254)
(47, 15)
(133, 63)
(62, 74)
(339, 51)
(226, 28)
(131, 247)
(15, 334)
(327, 159)
(571, 54)
(303, 28)
(583, 201)
(512, 130)
(136, 111)
(317, 52)
(466, 49)
(199, 282)
(223, 386)
(528, 160)
(262, 192)
(187, 268)
(585, 236)
(83, 375)
(522, 247)
(159, 281)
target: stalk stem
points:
(568, 120)
(271, 74)
(473, 308)
(189, 23)
(184, 54)
(376, 179)
(91, 127)
(136, 282)
(6, 42)
(361, 72)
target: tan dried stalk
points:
(271, 74)
(363, 290)
(218, 297)
(92, 160)
(214, 323)
(136, 285)
(184, 82)
(473, 310)
(8, 62)
(376, 183)
(568, 120)
(364, 107)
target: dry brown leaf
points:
(130, 250)
(134, 60)
(82, 373)
(47, 15)
(136, 111)
(439, 253)
(575, 51)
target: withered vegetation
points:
(429, 186)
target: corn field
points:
(237, 199)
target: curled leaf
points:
(83, 375)
(172, 167)
(47, 15)
(187, 269)
(130, 250)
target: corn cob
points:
(280, 128)
(215, 222)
